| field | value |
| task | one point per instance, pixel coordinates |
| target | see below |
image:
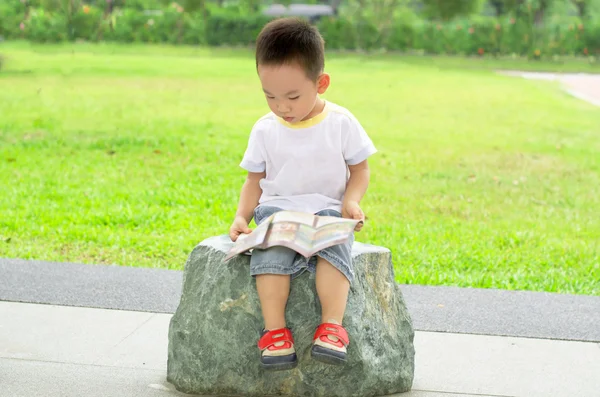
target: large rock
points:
(213, 334)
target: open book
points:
(304, 233)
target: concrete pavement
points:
(48, 350)
(102, 331)
(584, 86)
(440, 309)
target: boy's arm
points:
(358, 182)
(249, 196)
(355, 190)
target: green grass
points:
(129, 155)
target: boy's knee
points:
(273, 281)
(273, 286)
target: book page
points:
(293, 235)
(305, 238)
(295, 217)
(297, 231)
(247, 241)
(282, 232)
(328, 220)
(334, 233)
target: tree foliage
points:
(448, 9)
(584, 7)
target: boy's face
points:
(290, 93)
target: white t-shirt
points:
(306, 163)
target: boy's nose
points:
(283, 108)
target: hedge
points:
(474, 36)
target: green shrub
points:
(401, 36)
(591, 37)
(139, 5)
(439, 38)
(431, 37)
(485, 35)
(12, 14)
(146, 21)
(128, 26)
(338, 33)
(168, 27)
(448, 9)
(85, 23)
(566, 39)
(459, 37)
(46, 27)
(517, 37)
(194, 29)
(233, 29)
(368, 36)
(341, 33)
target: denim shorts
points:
(282, 260)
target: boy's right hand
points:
(239, 226)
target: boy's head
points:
(290, 58)
(291, 40)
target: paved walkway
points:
(78, 340)
(48, 351)
(437, 309)
(581, 85)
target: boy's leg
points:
(332, 288)
(271, 269)
(276, 342)
(277, 348)
(273, 287)
(273, 291)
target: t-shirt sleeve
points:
(357, 144)
(254, 159)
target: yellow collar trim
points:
(306, 123)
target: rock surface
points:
(213, 334)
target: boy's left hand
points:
(351, 210)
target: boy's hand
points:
(351, 210)
(239, 226)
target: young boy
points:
(306, 155)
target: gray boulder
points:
(213, 334)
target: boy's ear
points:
(323, 83)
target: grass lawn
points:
(129, 155)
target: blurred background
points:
(123, 122)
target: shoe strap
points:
(275, 336)
(336, 330)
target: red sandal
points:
(330, 350)
(277, 350)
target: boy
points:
(307, 155)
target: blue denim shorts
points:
(282, 260)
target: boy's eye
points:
(270, 97)
(294, 98)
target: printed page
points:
(296, 236)
(305, 239)
(245, 242)
(295, 230)
(332, 234)
(282, 232)
(295, 217)
(328, 220)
